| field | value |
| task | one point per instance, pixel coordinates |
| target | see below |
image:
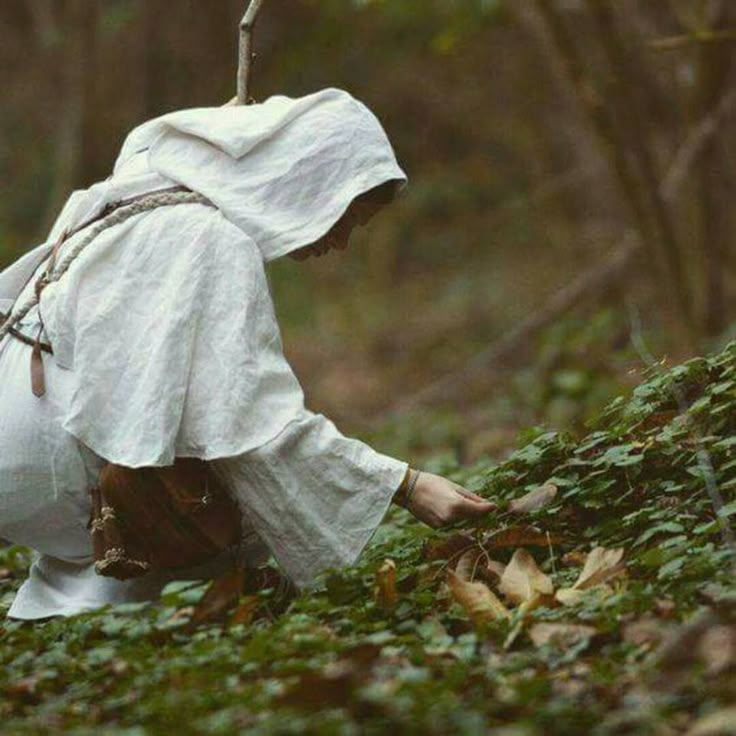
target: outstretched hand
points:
(438, 502)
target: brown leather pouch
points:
(160, 518)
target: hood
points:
(283, 171)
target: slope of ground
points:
(599, 599)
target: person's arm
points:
(437, 501)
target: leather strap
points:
(38, 380)
(18, 335)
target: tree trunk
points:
(79, 23)
(713, 65)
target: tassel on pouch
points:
(114, 557)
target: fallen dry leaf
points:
(646, 630)
(331, 686)
(717, 649)
(474, 564)
(534, 500)
(560, 634)
(601, 565)
(576, 558)
(720, 723)
(449, 549)
(220, 597)
(25, 689)
(244, 613)
(477, 599)
(522, 581)
(519, 536)
(495, 568)
(469, 563)
(384, 593)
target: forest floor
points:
(599, 599)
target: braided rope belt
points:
(117, 217)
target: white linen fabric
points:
(166, 344)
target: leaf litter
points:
(607, 606)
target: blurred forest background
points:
(571, 176)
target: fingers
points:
(474, 496)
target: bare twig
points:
(695, 143)
(247, 57)
(691, 39)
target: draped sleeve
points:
(314, 496)
(167, 323)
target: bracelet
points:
(400, 496)
(412, 486)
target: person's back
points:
(165, 345)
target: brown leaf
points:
(560, 634)
(534, 500)
(646, 630)
(448, 549)
(522, 581)
(384, 593)
(479, 602)
(119, 667)
(576, 558)
(245, 612)
(601, 565)
(469, 563)
(720, 723)
(495, 569)
(474, 564)
(717, 649)
(519, 536)
(221, 596)
(666, 607)
(332, 686)
(25, 690)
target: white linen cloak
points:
(166, 344)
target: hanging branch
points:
(247, 57)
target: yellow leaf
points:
(384, 593)
(479, 602)
(534, 500)
(522, 580)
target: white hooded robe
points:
(166, 345)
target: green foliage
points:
(332, 661)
